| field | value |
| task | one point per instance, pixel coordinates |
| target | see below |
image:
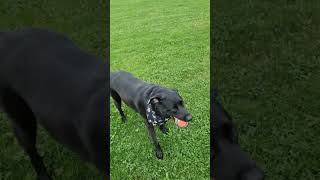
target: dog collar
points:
(153, 118)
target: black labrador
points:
(144, 98)
(46, 79)
(228, 160)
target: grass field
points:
(267, 70)
(85, 23)
(164, 42)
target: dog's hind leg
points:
(25, 129)
(117, 103)
(154, 140)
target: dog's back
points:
(123, 79)
(129, 87)
(27, 64)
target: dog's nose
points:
(253, 174)
(188, 118)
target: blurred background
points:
(85, 23)
(266, 68)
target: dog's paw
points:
(164, 130)
(159, 154)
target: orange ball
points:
(181, 123)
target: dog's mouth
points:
(180, 123)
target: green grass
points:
(164, 42)
(85, 23)
(267, 70)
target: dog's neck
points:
(152, 117)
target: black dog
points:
(228, 161)
(154, 103)
(45, 78)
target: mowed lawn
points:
(83, 22)
(167, 43)
(267, 69)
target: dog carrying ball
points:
(181, 123)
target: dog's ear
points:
(156, 98)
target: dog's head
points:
(168, 103)
(229, 161)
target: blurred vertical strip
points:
(107, 98)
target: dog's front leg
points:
(163, 129)
(152, 134)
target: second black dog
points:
(45, 79)
(228, 160)
(154, 103)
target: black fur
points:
(228, 160)
(46, 79)
(137, 94)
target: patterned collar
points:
(153, 118)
